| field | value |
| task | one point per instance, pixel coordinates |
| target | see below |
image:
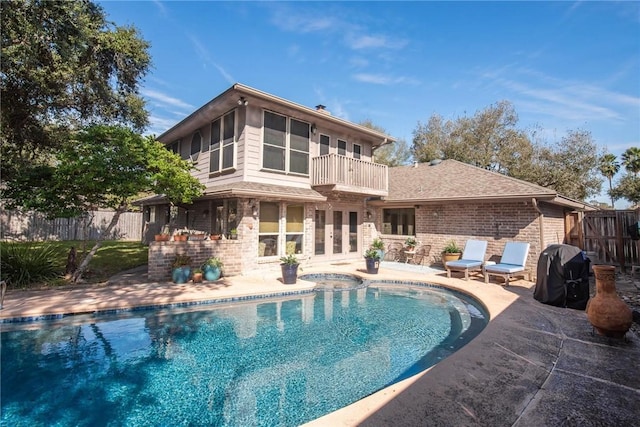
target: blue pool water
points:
(268, 362)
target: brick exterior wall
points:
(496, 223)
(162, 254)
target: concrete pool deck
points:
(533, 365)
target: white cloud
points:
(164, 99)
(364, 41)
(205, 56)
(382, 79)
(563, 99)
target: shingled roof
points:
(451, 180)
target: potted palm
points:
(378, 245)
(212, 268)
(372, 260)
(451, 252)
(289, 265)
(181, 268)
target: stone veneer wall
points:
(162, 254)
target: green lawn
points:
(112, 257)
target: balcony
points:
(333, 172)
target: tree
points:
(389, 154)
(64, 67)
(609, 167)
(103, 167)
(631, 160)
(628, 188)
(491, 140)
(396, 154)
(570, 167)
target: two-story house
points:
(280, 178)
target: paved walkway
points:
(533, 365)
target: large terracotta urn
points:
(609, 315)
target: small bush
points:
(23, 264)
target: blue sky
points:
(563, 65)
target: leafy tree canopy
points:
(64, 67)
(491, 140)
(395, 154)
(102, 167)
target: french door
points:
(337, 233)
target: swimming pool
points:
(282, 361)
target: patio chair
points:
(472, 258)
(422, 252)
(512, 262)
(395, 252)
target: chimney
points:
(322, 109)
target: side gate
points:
(611, 237)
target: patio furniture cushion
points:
(472, 258)
(513, 260)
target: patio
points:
(533, 365)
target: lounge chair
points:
(472, 258)
(512, 262)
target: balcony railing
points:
(349, 175)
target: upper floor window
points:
(196, 145)
(342, 147)
(222, 144)
(325, 142)
(174, 146)
(357, 151)
(285, 144)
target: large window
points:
(285, 144)
(295, 229)
(222, 144)
(269, 229)
(399, 221)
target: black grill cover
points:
(563, 277)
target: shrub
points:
(451, 248)
(377, 244)
(22, 264)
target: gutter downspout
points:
(540, 220)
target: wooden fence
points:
(32, 226)
(610, 238)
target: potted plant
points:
(378, 245)
(196, 235)
(410, 242)
(212, 268)
(197, 275)
(372, 259)
(164, 235)
(181, 236)
(289, 265)
(451, 252)
(181, 269)
(233, 233)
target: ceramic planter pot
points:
(289, 273)
(181, 274)
(211, 273)
(450, 256)
(372, 265)
(609, 315)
